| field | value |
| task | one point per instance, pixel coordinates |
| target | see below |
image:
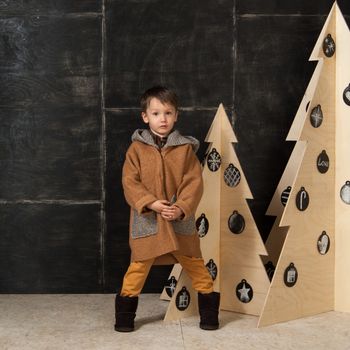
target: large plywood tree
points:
(311, 272)
(230, 241)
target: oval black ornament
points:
(328, 46)
(323, 243)
(323, 162)
(290, 275)
(183, 299)
(214, 160)
(236, 223)
(346, 95)
(170, 286)
(232, 176)
(244, 291)
(285, 195)
(212, 268)
(302, 199)
(202, 225)
(345, 192)
(316, 116)
(270, 269)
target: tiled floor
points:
(85, 322)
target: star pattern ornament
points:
(170, 286)
(285, 195)
(323, 162)
(183, 299)
(345, 192)
(236, 222)
(316, 116)
(290, 275)
(212, 268)
(302, 199)
(323, 243)
(346, 95)
(214, 160)
(232, 176)
(328, 46)
(244, 291)
(202, 225)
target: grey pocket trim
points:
(185, 227)
(143, 225)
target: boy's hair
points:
(162, 93)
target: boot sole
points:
(123, 329)
(209, 327)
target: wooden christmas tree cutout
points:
(230, 241)
(310, 275)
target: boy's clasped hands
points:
(166, 210)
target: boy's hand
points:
(159, 205)
(171, 213)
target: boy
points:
(162, 181)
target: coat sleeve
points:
(190, 191)
(136, 194)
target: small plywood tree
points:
(230, 241)
(311, 273)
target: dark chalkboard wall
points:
(71, 74)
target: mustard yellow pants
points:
(137, 273)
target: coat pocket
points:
(143, 225)
(185, 227)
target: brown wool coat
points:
(172, 173)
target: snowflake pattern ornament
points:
(232, 176)
(328, 46)
(244, 291)
(212, 268)
(316, 116)
(214, 160)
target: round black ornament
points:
(244, 291)
(212, 268)
(323, 162)
(346, 95)
(302, 199)
(232, 176)
(183, 299)
(345, 192)
(323, 243)
(285, 195)
(214, 160)
(328, 46)
(270, 269)
(170, 286)
(202, 225)
(290, 275)
(236, 222)
(316, 116)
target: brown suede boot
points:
(208, 305)
(125, 312)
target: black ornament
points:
(328, 46)
(316, 116)
(285, 195)
(307, 106)
(214, 160)
(323, 162)
(170, 286)
(270, 269)
(202, 225)
(345, 192)
(302, 199)
(232, 176)
(290, 275)
(183, 299)
(236, 222)
(212, 268)
(244, 291)
(323, 243)
(346, 95)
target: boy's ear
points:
(144, 117)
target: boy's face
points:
(160, 117)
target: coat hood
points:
(174, 139)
